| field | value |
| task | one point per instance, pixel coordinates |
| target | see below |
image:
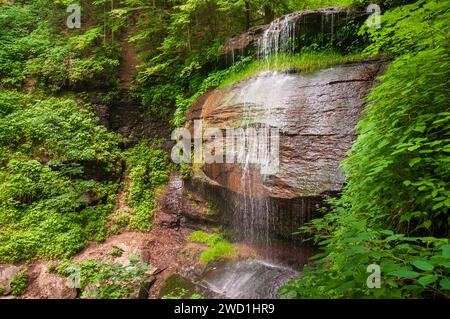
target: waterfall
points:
(282, 35)
(277, 38)
(264, 99)
(258, 219)
(259, 152)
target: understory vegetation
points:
(218, 247)
(106, 281)
(19, 283)
(35, 52)
(57, 178)
(308, 61)
(148, 170)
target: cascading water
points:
(246, 279)
(277, 38)
(257, 219)
(253, 218)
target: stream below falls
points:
(255, 278)
(246, 279)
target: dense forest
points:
(65, 175)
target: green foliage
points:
(205, 238)
(305, 62)
(108, 281)
(218, 247)
(410, 28)
(37, 48)
(181, 294)
(52, 201)
(213, 80)
(210, 210)
(185, 171)
(116, 252)
(411, 267)
(219, 250)
(407, 124)
(148, 169)
(59, 168)
(394, 211)
(160, 98)
(19, 283)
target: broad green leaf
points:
(446, 250)
(404, 273)
(445, 283)
(414, 162)
(428, 279)
(422, 265)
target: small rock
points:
(168, 220)
(49, 286)
(145, 287)
(7, 273)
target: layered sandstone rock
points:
(316, 114)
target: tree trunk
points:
(268, 14)
(247, 15)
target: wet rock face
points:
(177, 207)
(246, 280)
(316, 115)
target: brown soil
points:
(128, 64)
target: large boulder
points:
(177, 207)
(7, 274)
(47, 285)
(316, 116)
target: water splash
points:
(247, 279)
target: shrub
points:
(51, 200)
(19, 283)
(218, 247)
(108, 281)
(149, 169)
